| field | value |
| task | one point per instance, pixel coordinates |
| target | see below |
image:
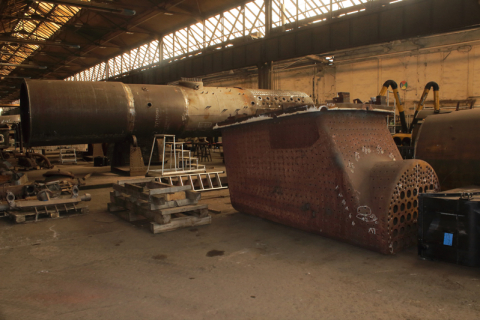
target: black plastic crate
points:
(449, 226)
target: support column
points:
(268, 18)
(265, 68)
(265, 76)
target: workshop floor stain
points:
(214, 253)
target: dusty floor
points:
(96, 266)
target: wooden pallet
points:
(167, 207)
(38, 213)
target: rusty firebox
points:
(335, 172)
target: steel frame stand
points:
(134, 166)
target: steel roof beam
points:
(22, 65)
(39, 43)
(93, 6)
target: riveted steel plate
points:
(337, 173)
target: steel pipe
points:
(70, 112)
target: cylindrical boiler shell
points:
(71, 112)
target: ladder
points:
(203, 181)
(68, 155)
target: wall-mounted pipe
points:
(436, 97)
(401, 111)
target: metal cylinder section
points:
(68, 112)
(449, 142)
(337, 173)
(57, 112)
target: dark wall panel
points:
(340, 35)
(254, 53)
(321, 39)
(207, 64)
(417, 17)
(304, 42)
(390, 25)
(287, 46)
(471, 12)
(217, 61)
(188, 68)
(447, 15)
(364, 30)
(180, 72)
(197, 65)
(271, 49)
(227, 59)
(239, 60)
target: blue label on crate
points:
(448, 239)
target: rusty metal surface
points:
(449, 143)
(337, 173)
(63, 112)
(70, 112)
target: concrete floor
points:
(96, 266)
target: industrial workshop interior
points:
(229, 159)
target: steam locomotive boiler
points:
(66, 112)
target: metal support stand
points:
(97, 150)
(135, 165)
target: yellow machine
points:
(436, 100)
(401, 111)
(405, 138)
(402, 139)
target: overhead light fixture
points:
(168, 13)
(129, 32)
